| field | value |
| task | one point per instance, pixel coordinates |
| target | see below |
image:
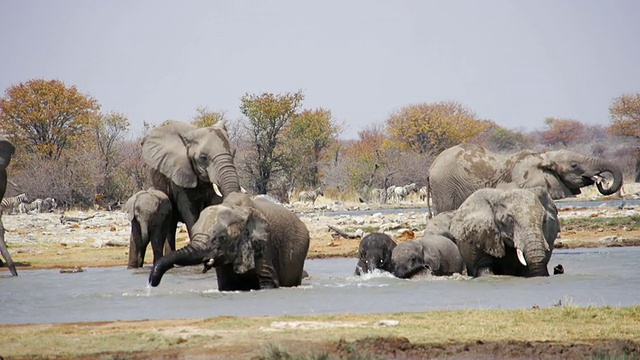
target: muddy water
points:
(598, 277)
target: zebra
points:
(39, 206)
(10, 204)
(310, 196)
(401, 192)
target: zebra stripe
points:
(11, 202)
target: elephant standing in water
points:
(252, 243)
(6, 151)
(506, 232)
(149, 212)
(375, 253)
(460, 170)
(193, 166)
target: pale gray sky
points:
(514, 62)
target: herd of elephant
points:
(254, 243)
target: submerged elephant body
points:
(252, 243)
(149, 213)
(460, 170)
(431, 254)
(6, 151)
(375, 253)
(506, 232)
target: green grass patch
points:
(593, 223)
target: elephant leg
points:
(136, 254)
(170, 235)
(5, 251)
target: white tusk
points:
(242, 190)
(597, 179)
(521, 257)
(210, 262)
(217, 190)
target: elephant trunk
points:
(607, 166)
(192, 254)
(226, 177)
(536, 253)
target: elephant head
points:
(6, 151)
(564, 172)
(375, 253)
(187, 154)
(431, 254)
(506, 232)
(228, 234)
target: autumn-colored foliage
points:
(563, 132)
(206, 117)
(267, 115)
(308, 137)
(625, 115)
(46, 117)
(434, 127)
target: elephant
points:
(460, 170)
(6, 151)
(506, 232)
(252, 243)
(375, 253)
(149, 213)
(440, 224)
(432, 254)
(193, 166)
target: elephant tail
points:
(429, 197)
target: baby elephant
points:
(375, 253)
(432, 254)
(149, 211)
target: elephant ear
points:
(252, 242)
(163, 148)
(474, 223)
(128, 206)
(431, 256)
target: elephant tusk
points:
(217, 190)
(596, 179)
(242, 190)
(521, 257)
(208, 265)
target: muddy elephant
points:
(460, 170)
(432, 254)
(149, 213)
(375, 253)
(6, 151)
(506, 232)
(193, 166)
(252, 243)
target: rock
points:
(608, 239)
(72, 270)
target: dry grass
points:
(245, 337)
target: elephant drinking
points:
(460, 170)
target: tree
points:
(206, 117)
(110, 135)
(625, 121)
(503, 139)
(267, 115)
(625, 116)
(434, 127)
(563, 132)
(308, 136)
(46, 117)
